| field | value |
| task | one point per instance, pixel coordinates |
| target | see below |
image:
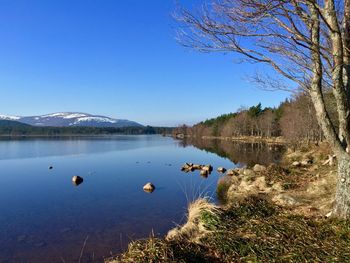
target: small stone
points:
(296, 164)
(342, 180)
(329, 214)
(208, 168)
(77, 180)
(149, 187)
(221, 170)
(204, 173)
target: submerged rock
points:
(149, 187)
(77, 180)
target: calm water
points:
(45, 218)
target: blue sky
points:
(115, 58)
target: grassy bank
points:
(276, 214)
(253, 230)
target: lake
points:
(45, 218)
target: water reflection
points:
(239, 153)
(39, 222)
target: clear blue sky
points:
(116, 58)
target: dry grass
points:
(254, 230)
(195, 227)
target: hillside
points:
(72, 119)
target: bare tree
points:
(306, 41)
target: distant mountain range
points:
(71, 119)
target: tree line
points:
(26, 130)
(294, 119)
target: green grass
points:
(254, 230)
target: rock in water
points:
(50, 167)
(77, 180)
(207, 168)
(221, 170)
(204, 173)
(149, 187)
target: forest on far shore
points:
(13, 128)
(294, 120)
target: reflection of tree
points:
(238, 152)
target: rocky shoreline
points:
(269, 213)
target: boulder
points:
(259, 168)
(149, 187)
(77, 180)
(221, 170)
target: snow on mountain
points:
(62, 119)
(8, 117)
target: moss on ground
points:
(254, 230)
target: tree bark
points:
(342, 197)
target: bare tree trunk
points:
(342, 197)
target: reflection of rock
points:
(77, 180)
(149, 187)
(221, 170)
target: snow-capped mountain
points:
(63, 119)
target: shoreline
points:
(260, 202)
(244, 139)
(71, 135)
